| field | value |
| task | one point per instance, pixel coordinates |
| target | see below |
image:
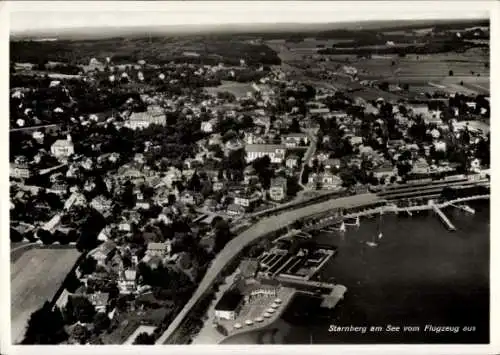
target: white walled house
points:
(229, 305)
(277, 190)
(276, 152)
(62, 149)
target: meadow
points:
(235, 88)
(35, 278)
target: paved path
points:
(308, 156)
(259, 229)
(208, 334)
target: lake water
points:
(420, 274)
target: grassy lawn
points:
(237, 89)
(35, 277)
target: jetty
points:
(337, 294)
(303, 284)
(441, 215)
(465, 208)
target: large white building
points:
(277, 191)
(208, 126)
(295, 139)
(276, 152)
(141, 120)
(62, 149)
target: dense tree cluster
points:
(45, 327)
(144, 339)
(157, 50)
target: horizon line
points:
(55, 31)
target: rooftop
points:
(99, 298)
(249, 266)
(279, 181)
(229, 301)
(266, 148)
(157, 246)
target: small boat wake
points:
(373, 243)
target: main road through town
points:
(257, 230)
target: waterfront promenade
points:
(331, 220)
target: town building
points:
(53, 223)
(20, 171)
(229, 305)
(158, 249)
(319, 111)
(233, 145)
(127, 281)
(218, 186)
(276, 152)
(385, 171)
(440, 146)
(208, 126)
(101, 204)
(295, 139)
(141, 120)
(171, 176)
(235, 210)
(191, 198)
(100, 301)
(74, 200)
(62, 149)
(420, 167)
(59, 188)
(292, 161)
(277, 190)
(429, 116)
(356, 141)
(260, 291)
(103, 253)
(247, 200)
(94, 65)
(328, 180)
(248, 268)
(330, 164)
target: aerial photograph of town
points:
(253, 183)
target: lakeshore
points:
(419, 271)
(356, 202)
(429, 277)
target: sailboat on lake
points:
(373, 243)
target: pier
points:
(464, 208)
(337, 294)
(304, 285)
(443, 217)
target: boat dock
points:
(464, 208)
(441, 215)
(303, 285)
(337, 294)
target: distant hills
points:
(255, 29)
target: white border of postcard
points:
(273, 10)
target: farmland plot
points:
(237, 89)
(35, 278)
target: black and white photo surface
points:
(237, 173)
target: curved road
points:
(259, 229)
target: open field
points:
(237, 89)
(35, 278)
(426, 73)
(435, 65)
